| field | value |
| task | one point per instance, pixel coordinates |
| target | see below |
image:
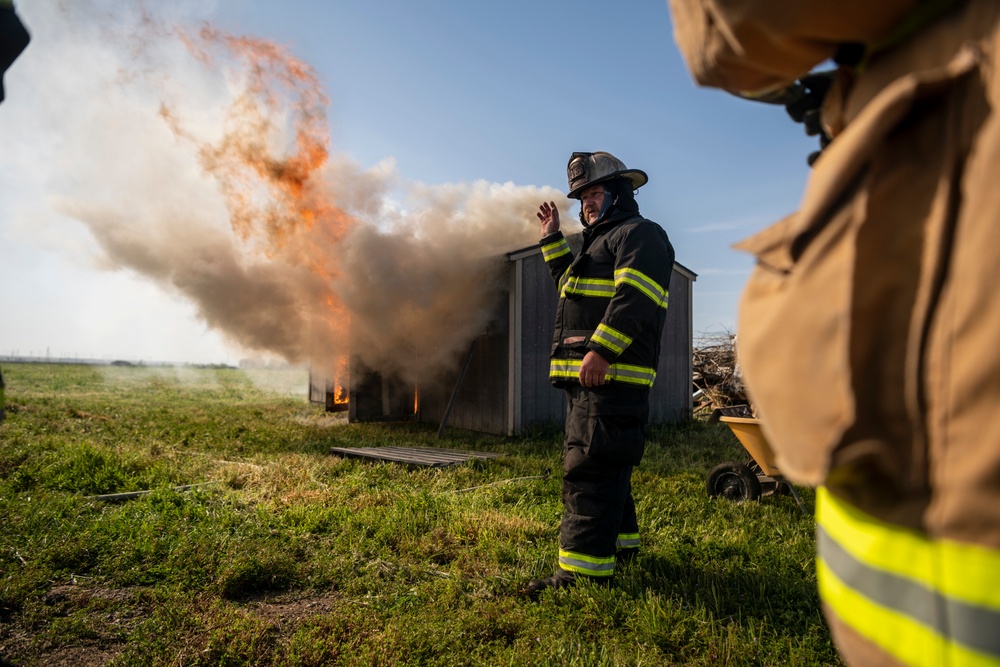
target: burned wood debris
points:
(716, 381)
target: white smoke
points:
(198, 172)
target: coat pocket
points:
(617, 424)
(617, 439)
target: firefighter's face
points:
(591, 200)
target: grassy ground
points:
(286, 555)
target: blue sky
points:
(454, 92)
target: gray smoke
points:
(200, 161)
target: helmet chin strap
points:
(609, 201)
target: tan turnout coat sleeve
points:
(755, 45)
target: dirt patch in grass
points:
(73, 656)
(287, 611)
(115, 613)
(107, 615)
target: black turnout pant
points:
(605, 438)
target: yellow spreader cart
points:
(755, 478)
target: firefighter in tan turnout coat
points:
(869, 333)
(606, 344)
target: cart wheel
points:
(733, 481)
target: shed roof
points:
(535, 249)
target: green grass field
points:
(286, 555)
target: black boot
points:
(625, 557)
(561, 579)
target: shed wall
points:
(540, 403)
(481, 402)
(670, 399)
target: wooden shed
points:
(502, 385)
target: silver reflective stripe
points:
(589, 287)
(564, 367)
(633, 374)
(614, 334)
(567, 562)
(570, 368)
(628, 543)
(554, 250)
(971, 625)
(644, 284)
(611, 339)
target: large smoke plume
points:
(202, 162)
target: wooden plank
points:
(421, 456)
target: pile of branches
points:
(717, 385)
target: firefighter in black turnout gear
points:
(612, 306)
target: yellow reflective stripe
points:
(614, 340)
(606, 342)
(564, 368)
(910, 642)
(644, 284)
(875, 623)
(592, 566)
(562, 281)
(570, 369)
(633, 374)
(972, 572)
(602, 287)
(927, 602)
(589, 287)
(627, 541)
(553, 250)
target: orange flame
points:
(341, 382)
(274, 189)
